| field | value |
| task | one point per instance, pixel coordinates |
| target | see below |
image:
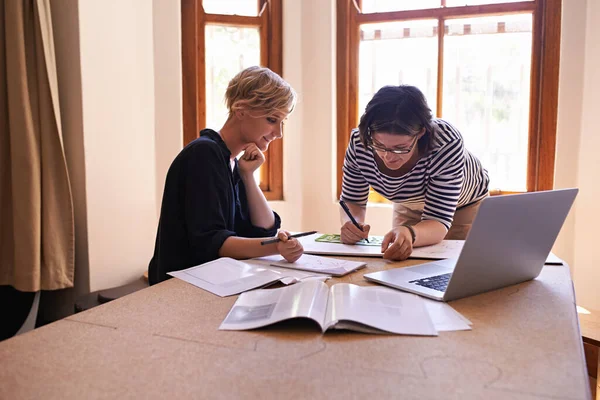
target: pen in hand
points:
(349, 214)
(270, 241)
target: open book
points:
(343, 306)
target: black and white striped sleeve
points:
(446, 178)
(355, 188)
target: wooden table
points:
(163, 342)
(590, 332)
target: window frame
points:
(193, 22)
(546, 33)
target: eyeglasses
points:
(381, 148)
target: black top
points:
(203, 204)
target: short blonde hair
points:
(261, 91)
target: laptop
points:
(509, 242)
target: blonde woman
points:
(212, 206)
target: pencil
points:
(297, 235)
(349, 214)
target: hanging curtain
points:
(36, 207)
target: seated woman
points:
(212, 206)
(417, 162)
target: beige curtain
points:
(36, 208)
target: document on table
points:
(226, 276)
(331, 245)
(325, 265)
(291, 275)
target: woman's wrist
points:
(411, 231)
(247, 176)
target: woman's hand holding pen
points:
(351, 234)
(251, 160)
(397, 244)
(290, 249)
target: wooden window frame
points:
(193, 22)
(544, 74)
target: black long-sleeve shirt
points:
(204, 202)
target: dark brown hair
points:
(402, 110)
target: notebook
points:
(343, 306)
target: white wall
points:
(168, 115)
(570, 100)
(117, 80)
(587, 220)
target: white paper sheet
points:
(442, 250)
(226, 276)
(291, 275)
(325, 265)
(337, 249)
(446, 318)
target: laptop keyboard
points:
(438, 282)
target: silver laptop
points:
(508, 243)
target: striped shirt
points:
(447, 178)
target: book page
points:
(264, 307)
(385, 309)
(323, 265)
(226, 276)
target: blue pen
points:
(349, 214)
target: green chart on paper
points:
(335, 238)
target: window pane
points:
(231, 7)
(487, 65)
(398, 52)
(454, 3)
(374, 6)
(228, 51)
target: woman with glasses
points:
(418, 163)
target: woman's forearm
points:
(261, 214)
(241, 248)
(429, 232)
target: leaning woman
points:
(417, 162)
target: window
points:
(219, 39)
(484, 65)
